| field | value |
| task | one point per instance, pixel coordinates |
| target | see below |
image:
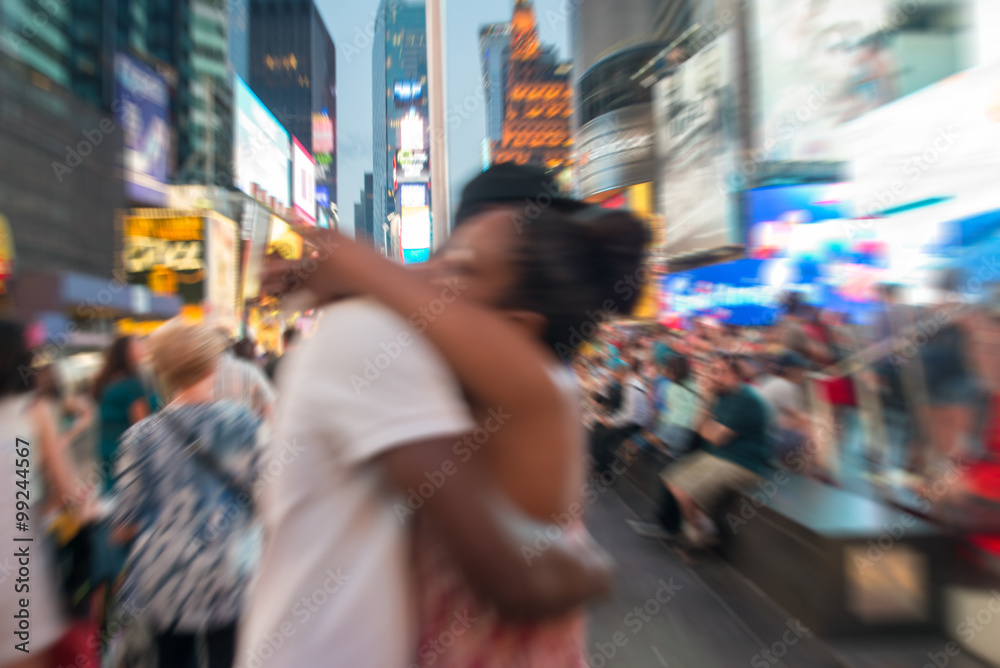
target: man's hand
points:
(716, 434)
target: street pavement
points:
(672, 611)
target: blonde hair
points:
(183, 354)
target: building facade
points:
(399, 120)
(293, 72)
(538, 99)
(494, 53)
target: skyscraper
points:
(494, 52)
(193, 38)
(399, 125)
(60, 177)
(538, 103)
(364, 228)
(293, 71)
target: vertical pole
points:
(436, 76)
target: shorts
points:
(677, 439)
(708, 479)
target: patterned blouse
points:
(184, 481)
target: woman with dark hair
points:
(526, 289)
(38, 478)
(121, 400)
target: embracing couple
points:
(397, 535)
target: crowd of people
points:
(305, 511)
(907, 394)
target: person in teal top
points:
(736, 450)
(121, 402)
(121, 399)
(662, 352)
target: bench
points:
(842, 564)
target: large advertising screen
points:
(740, 293)
(143, 109)
(415, 234)
(322, 127)
(407, 91)
(695, 112)
(781, 221)
(942, 142)
(411, 132)
(166, 255)
(820, 64)
(262, 148)
(303, 183)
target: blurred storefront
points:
(187, 254)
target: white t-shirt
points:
(783, 396)
(335, 585)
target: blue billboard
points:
(323, 196)
(774, 213)
(142, 106)
(741, 292)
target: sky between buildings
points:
(350, 23)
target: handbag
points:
(73, 544)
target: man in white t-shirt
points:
(334, 583)
(368, 412)
(786, 397)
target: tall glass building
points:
(399, 90)
(293, 70)
(494, 53)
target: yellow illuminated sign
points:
(284, 241)
(6, 253)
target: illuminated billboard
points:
(167, 255)
(143, 109)
(322, 127)
(411, 132)
(412, 166)
(262, 152)
(412, 195)
(303, 183)
(415, 233)
(695, 116)
(782, 219)
(818, 65)
(323, 197)
(407, 91)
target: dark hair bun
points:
(577, 266)
(618, 243)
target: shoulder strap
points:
(207, 460)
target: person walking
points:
(183, 500)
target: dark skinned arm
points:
(489, 549)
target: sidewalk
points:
(668, 614)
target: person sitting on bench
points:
(735, 453)
(634, 414)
